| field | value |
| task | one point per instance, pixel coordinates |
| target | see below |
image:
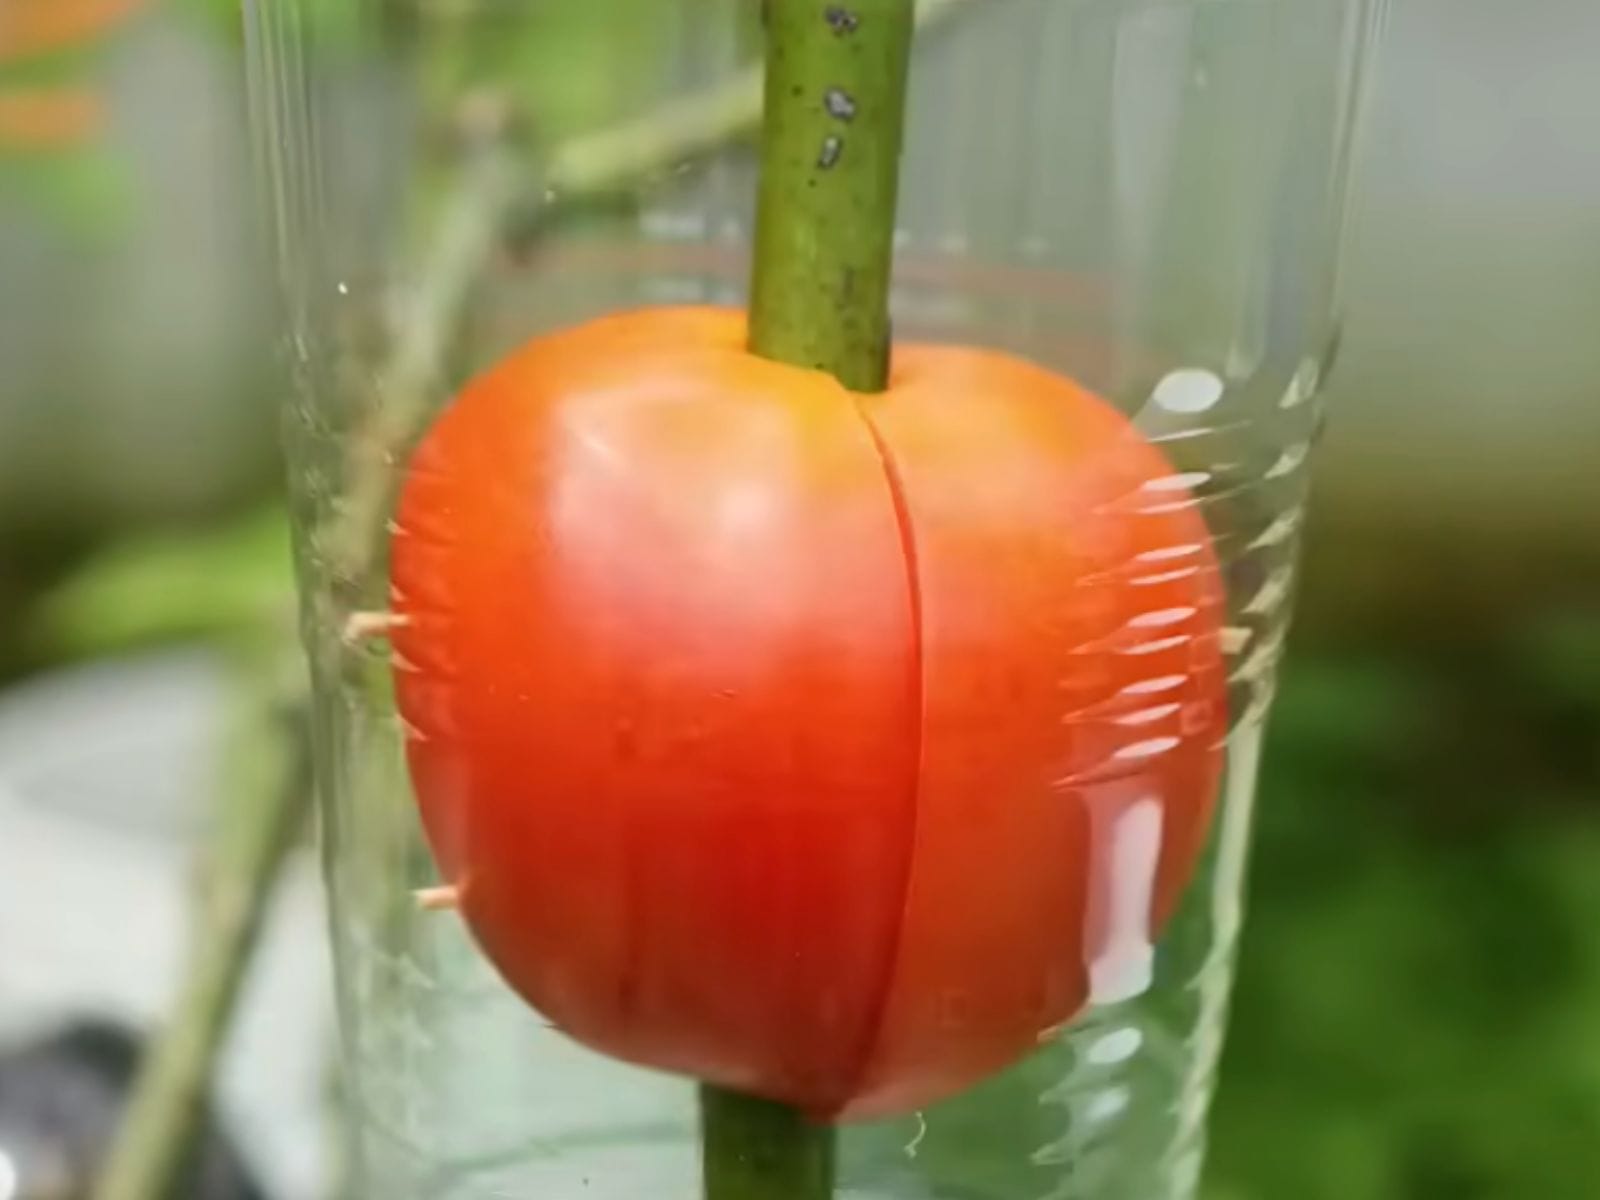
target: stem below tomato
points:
(830, 171)
(762, 1150)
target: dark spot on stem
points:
(841, 105)
(832, 148)
(841, 20)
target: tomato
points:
(818, 745)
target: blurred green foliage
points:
(1418, 1004)
(84, 194)
(223, 584)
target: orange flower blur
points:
(29, 27)
(780, 736)
(52, 117)
(44, 118)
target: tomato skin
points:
(769, 732)
(1043, 633)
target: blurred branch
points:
(256, 830)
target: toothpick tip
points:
(446, 898)
(364, 626)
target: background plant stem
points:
(830, 171)
(264, 815)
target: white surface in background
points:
(104, 772)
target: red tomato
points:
(808, 743)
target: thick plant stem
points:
(761, 1150)
(830, 173)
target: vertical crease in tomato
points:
(917, 688)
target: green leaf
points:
(80, 189)
(230, 582)
(1418, 1003)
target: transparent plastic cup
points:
(1146, 195)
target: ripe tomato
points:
(814, 744)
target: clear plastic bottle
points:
(1147, 195)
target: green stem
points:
(830, 173)
(761, 1150)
